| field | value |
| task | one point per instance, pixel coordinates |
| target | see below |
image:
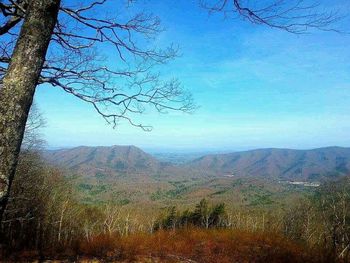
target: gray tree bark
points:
(18, 87)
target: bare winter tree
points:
(32, 140)
(333, 201)
(57, 43)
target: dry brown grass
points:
(184, 245)
(198, 245)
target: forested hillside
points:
(286, 164)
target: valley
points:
(256, 179)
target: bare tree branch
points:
(294, 16)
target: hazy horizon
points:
(166, 150)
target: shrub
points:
(213, 245)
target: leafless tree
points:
(32, 139)
(334, 204)
(111, 218)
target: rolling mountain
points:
(285, 164)
(104, 160)
(278, 163)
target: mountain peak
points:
(110, 159)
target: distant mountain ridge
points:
(286, 164)
(279, 163)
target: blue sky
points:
(256, 87)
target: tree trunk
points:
(18, 87)
(61, 220)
